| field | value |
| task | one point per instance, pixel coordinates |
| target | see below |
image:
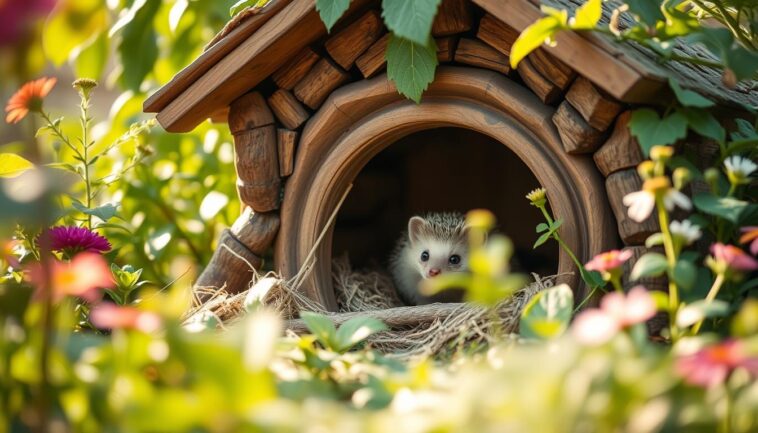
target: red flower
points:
(608, 261)
(84, 276)
(733, 257)
(711, 366)
(72, 240)
(28, 98)
(111, 316)
(750, 236)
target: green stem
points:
(586, 299)
(85, 146)
(668, 246)
(712, 293)
(616, 283)
(558, 239)
(59, 134)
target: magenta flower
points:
(617, 311)
(733, 257)
(750, 235)
(711, 366)
(72, 240)
(608, 261)
(111, 316)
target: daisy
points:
(641, 203)
(685, 231)
(739, 169)
(28, 98)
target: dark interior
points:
(442, 169)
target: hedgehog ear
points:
(415, 227)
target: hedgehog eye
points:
(425, 256)
(454, 259)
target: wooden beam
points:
(231, 266)
(453, 17)
(551, 68)
(548, 92)
(446, 48)
(372, 61)
(497, 34)
(293, 71)
(288, 109)
(325, 76)
(256, 230)
(258, 181)
(597, 108)
(353, 40)
(286, 141)
(248, 112)
(621, 150)
(578, 136)
(476, 53)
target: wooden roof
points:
(255, 44)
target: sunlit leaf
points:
(71, 24)
(356, 330)
(548, 313)
(535, 35)
(12, 165)
(587, 15)
(725, 207)
(91, 59)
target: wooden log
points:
(256, 230)
(453, 17)
(294, 70)
(578, 136)
(351, 42)
(497, 34)
(476, 53)
(248, 112)
(617, 185)
(548, 92)
(258, 181)
(288, 109)
(446, 48)
(319, 83)
(286, 141)
(597, 107)
(621, 150)
(551, 68)
(372, 61)
(229, 269)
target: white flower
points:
(676, 198)
(641, 204)
(686, 231)
(738, 168)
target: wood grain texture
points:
(288, 109)
(353, 40)
(230, 266)
(476, 53)
(256, 230)
(325, 76)
(286, 141)
(551, 68)
(372, 61)
(618, 185)
(248, 112)
(621, 150)
(294, 70)
(258, 181)
(598, 108)
(453, 17)
(446, 48)
(548, 92)
(497, 34)
(578, 136)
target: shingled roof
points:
(253, 45)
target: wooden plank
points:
(293, 71)
(372, 61)
(288, 109)
(278, 40)
(578, 136)
(548, 92)
(256, 230)
(325, 76)
(476, 53)
(258, 181)
(453, 17)
(617, 185)
(351, 42)
(497, 34)
(622, 81)
(597, 107)
(286, 141)
(446, 48)
(248, 112)
(220, 116)
(551, 68)
(621, 150)
(230, 266)
(181, 81)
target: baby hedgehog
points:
(434, 244)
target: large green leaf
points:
(548, 313)
(72, 23)
(411, 66)
(720, 41)
(410, 20)
(331, 10)
(649, 265)
(91, 59)
(104, 212)
(138, 49)
(12, 165)
(648, 11)
(356, 330)
(689, 98)
(651, 130)
(536, 34)
(703, 122)
(322, 327)
(684, 274)
(725, 207)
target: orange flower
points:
(28, 98)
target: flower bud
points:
(537, 197)
(711, 176)
(481, 219)
(84, 86)
(646, 169)
(661, 153)
(682, 176)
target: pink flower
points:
(17, 18)
(111, 316)
(7, 253)
(72, 240)
(608, 261)
(750, 236)
(84, 276)
(617, 311)
(711, 366)
(733, 257)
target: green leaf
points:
(535, 35)
(138, 49)
(411, 66)
(331, 10)
(356, 330)
(723, 207)
(12, 165)
(411, 20)
(684, 274)
(720, 41)
(104, 212)
(542, 239)
(72, 23)
(651, 130)
(541, 227)
(90, 59)
(548, 313)
(699, 310)
(745, 130)
(654, 239)
(244, 4)
(703, 122)
(587, 15)
(648, 11)
(649, 265)
(689, 98)
(593, 279)
(321, 327)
